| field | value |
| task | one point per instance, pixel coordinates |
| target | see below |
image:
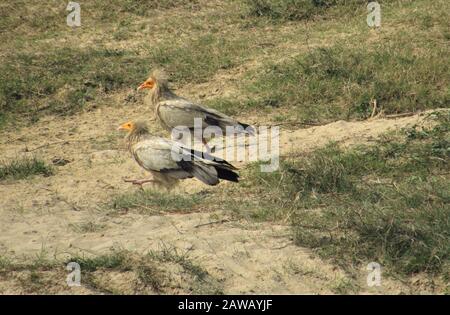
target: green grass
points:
(388, 202)
(400, 66)
(115, 260)
(168, 254)
(162, 271)
(145, 7)
(39, 78)
(153, 202)
(203, 282)
(147, 273)
(23, 168)
(342, 81)
(199, 59)
(62, 81)
(46, 18)
(297, 10)
(151, 270)
(404, 70)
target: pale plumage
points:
(169, 161)
(174, 111)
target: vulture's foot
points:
(138, 182)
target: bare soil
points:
(38, 214)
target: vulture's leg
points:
(139, 182)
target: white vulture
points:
(168, 161)
(174, 111)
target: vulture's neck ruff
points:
(138, 133)
(160, 91)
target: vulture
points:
(168, 161)
(174, 111)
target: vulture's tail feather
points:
(201, 171)
(227, 174)
(249, 129)
(209, 174)
(224, 122)
(205, 155)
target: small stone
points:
(60, 161)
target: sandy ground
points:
(36, 214)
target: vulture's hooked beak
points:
(145, 85)
(126, 126)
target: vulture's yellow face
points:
(148, 84)
(128, 126)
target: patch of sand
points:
(247, 257)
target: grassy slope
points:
(303, 65)
(23, 168)
(386, 202)
(164, 271)
(329, 69)
(400, 66)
